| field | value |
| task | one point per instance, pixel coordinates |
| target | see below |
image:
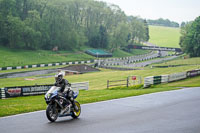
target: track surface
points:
(165, 112)
(145, 63)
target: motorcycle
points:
(60, 106)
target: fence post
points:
(107, 84)
(127, 82)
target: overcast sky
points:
(174, 10)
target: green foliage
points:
(66, 24)
(163, 22)
(190, 39)
(139, 30)
(147, 31)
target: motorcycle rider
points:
(63, 83)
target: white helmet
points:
(59, 77)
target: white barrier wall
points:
(169, 78)
(148, 81)
(165, 78)
(177, 76)
(80, 86)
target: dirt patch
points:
(80, 68)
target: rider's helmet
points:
(59, 77)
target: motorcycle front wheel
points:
(76, 114)
(52, 113)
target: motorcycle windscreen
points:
(52, 89)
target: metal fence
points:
(129, 81)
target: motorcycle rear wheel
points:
(76, 114)
(51, 113)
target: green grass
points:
(34, 103)
(19, 105)
(164, 36)
(96, 92)
(181, 61)
(98, 80)
(15, 57)
(189, 82)
(31, 69)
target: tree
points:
(190, 39)
(163, 22)
(68, 24)
(183, 24)
(103, 36)
(120, 36)
(146, 31)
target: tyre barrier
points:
(128, 60)
(152, 80)
(193, 73)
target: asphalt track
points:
(146, 63)
(165, 112)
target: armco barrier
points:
(9, 92)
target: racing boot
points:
(74, 105)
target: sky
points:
(174, 10)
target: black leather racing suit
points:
(69, 93)
(62, 84)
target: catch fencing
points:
(8, 92)
(152, 80)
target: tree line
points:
(68, 24)
(190, 38)
(163, 22)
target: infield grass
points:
(98, 80)
(181, 61)
(164, 36)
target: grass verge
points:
(19, 105)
